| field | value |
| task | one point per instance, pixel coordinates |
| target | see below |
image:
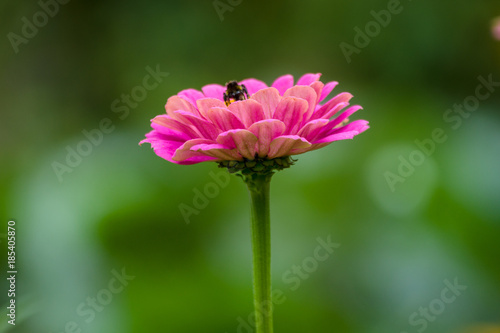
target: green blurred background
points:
(117, 210)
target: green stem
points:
(258, 186)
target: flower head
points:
(221, 124)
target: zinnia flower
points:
(277, 121)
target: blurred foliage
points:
(118, 208)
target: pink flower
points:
(495, 28)
(277, 121)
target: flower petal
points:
(312, 129)
(314, 146)
(218, 151)
(253, 85)
(307, 93)
(282, 145)
(359, 125)
(191, 95)
(325, 109)
(283, 83)
(206, 104)
(168, 133)
(165, 149)
(224, 119)
(176, 103)
(266, 131)
(338, 136)
(214, 91)
(269, 98)
(307, 79)
(243, 140)
(333, 111)
(291, 111)
(176, 125)
(248, 111)
(343, 116)
(318, 87)
(337, 121)
(185, 154)
(206, 129)
(345, 132)
(327, 89)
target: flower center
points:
(234, 92)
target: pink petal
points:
(283, 83)
(291, 111)
(307, 79)
(206, 104)
(338, 136)
(357, 125)
(266, 131)
(282, 145)
(307, 93)
(218, 151)
(214, 91)
(253, 85)
(327, 89)
(191, 95)
(333, 111)
(312, 129)
(185, 154)
(248, 111)
(318, 87)
(269, 98)
(224, 119)
(343, 116)
(168, 133)
(335, 122)
(243, 140)
(165, 149)
(345, 132)
(314, 146)
(206, 129)
(176, 103)
(167, 121)
(156, 139)
(324, 110)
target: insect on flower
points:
(235, 92)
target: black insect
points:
(235, 92)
